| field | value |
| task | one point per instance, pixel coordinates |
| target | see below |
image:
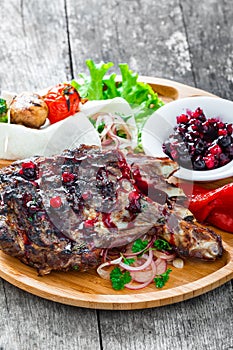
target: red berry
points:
(209, 161)
(28, 165)
(28, 170)
(222, 132)
(221, 125)
(216, 149)
(229, 129)
(183, 118)
(56, 202)
(86, 195)
(67, 177)
(134, 195)
(197, 113)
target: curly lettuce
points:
(97, 86)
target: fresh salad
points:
(97, 86)
(65, 99)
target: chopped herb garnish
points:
(119, 279)
(76, 267)
(160, 280)
(139, 245)
(93, 122)
(144, 205)
(128, 261)
(121, 134)
(101, 127)
(160, 244)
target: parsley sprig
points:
(119, 278)
(161, 280)
(101, 127)
(139, 245)
(161, 244)
(128, 261)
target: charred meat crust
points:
(57, 213)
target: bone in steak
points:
(58, 213)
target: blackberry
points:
(200, 142)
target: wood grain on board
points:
(90, 291)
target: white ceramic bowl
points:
(161, 123)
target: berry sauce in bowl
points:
(196, 132)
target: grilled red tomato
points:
(62, 101)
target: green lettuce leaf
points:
(92, 87)
(110, 90)
(139, 95)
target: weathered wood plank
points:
(34, 48)
(201, 323)
(209, 27)
(147, 35)
(29, 322)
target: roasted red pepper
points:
(62, 101)
(213, 206)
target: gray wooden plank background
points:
(47, 41)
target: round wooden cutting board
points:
(90, 291)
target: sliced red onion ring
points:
(106, 274)
(148, 258)
(133, 286)
(161, 266)
(109, 133)
(142, 276)
(161, 255)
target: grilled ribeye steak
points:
(58, 213)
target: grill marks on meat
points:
(58, 213)
(62, 255)
(27, 232)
